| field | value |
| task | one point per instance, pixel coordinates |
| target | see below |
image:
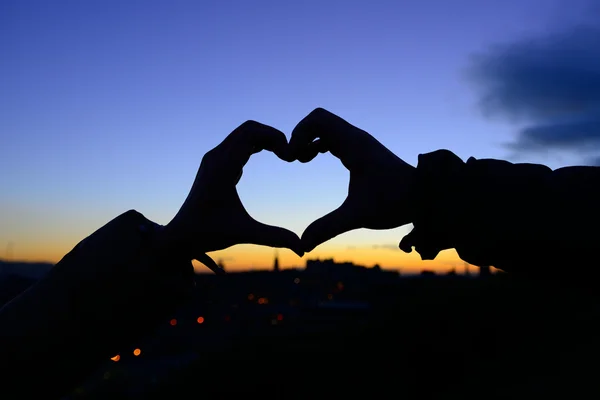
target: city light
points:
(173, 322)
(200, 320)
(116, 358)
(137, 352)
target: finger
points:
(408, 242)
(272, 236)
(249, 138)
(329, 226)
(210, 263)
(333, 132)
(311, 151)
(422, 243)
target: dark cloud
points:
(594, 161)
(550, 84)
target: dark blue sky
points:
(110, 105)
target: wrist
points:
(179, 239)
(436, 202)
(411, 193)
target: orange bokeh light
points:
(173, 322)
(116, 358)
(137, 352)
(200, 320)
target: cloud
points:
(386, 247)
(594, 161)
(550, 84)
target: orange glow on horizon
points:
(248, 257)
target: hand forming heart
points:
(380, 182)
(214, 218)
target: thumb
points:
(329, 226)
(209, 263)
(423, 244)
(272, 236)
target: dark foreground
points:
(295, 335)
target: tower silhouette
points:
(276, 262)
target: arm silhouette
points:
(522, 218)
(129, 275)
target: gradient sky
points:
(110, 105)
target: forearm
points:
(512, 216)
(105, 293)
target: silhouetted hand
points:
(380, 182)
(213, 216)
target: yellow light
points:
(137, 352)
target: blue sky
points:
(110, 105)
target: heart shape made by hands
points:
(214, 218)
(291, 195)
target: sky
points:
(107, 106)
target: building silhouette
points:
(484, 271)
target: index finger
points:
(334, 133)
(249, 138)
